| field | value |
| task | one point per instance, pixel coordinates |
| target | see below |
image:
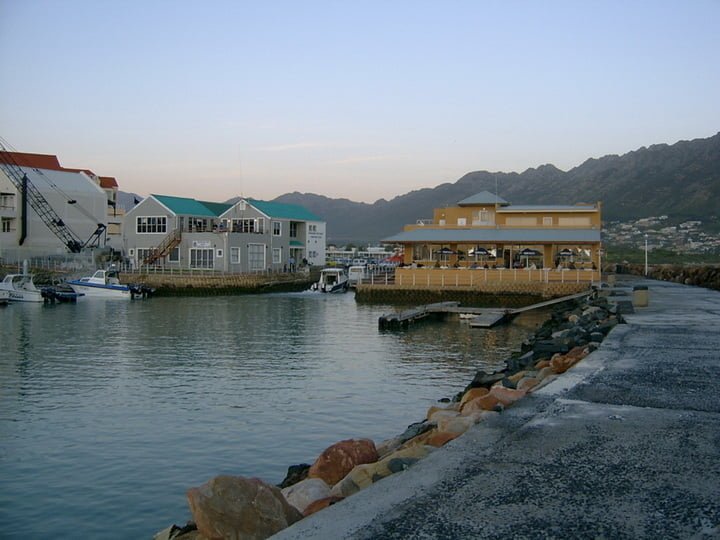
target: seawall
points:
(223, 284)
(700, 276)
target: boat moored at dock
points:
(332, 280)
(20, 288)
(106, 284)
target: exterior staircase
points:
(170, 242)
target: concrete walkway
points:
(624, 445)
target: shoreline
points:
(309, 488)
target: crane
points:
(29, 192)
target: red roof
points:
(108, 182)
(36, 161)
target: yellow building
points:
(485, 232)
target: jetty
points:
(624, 445)
(479, 317)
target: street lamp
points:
(646, 252)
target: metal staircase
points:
(170, 242)
(39, 203)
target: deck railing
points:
(461, 277)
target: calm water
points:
(110, 410)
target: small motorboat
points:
(106, 284)
(20, 288)
(332, 280)
(4, 297)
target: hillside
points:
(681, 180)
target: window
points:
(234, 255)
(293, 229)
(521, 221)
(7, 225)
(219, 253)
(256, 257)
(462, 221)
(574, 221)
(276, 228)
(277, 255)
(201, 257)
(174, 255)
(131, 252)
(547, 221)
(312, 228)
(143, 253)
(242, 205)
(151, 225)
(7, 201)
(250, 225)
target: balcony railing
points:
(466, 277)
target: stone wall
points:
(213, 285)
(487, 295)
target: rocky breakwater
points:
(248, 508)
(700, 275)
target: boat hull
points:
(91, 290)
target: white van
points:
(356, 273)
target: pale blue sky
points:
(349, 99)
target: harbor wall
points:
(491, 294)
(221, 284)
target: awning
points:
(296, 243)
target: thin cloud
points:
(295, 146)
(361, 159)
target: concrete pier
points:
(624, 445)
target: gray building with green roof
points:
(247, 236)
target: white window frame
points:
(234, 255)
(160, 224)
(207, 258)
(277, 228)
(547, 221)
(174, 255)
(219, 253)
(277, 255)
(253, 265)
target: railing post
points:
(578, 275)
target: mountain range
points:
(681, 180)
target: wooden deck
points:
(484, 317)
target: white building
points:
(78, 205)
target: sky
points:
(360, 100)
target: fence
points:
(461, 277)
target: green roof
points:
(296, 243)
(284, 211)
(191, 207)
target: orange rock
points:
(321, 504)
(340, 458)
(527, 383)
(441, 437)
(545, 372)
(542, 363)
(561, 364)
(472, 394)
(239, 507)
(488, 402)
(507, 396)
(577, 353)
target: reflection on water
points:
(110, 410)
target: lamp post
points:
(646, 255)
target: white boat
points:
(4, 297)
(102, 284)
(332, 280)
(20, 288)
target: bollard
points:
(640, 296)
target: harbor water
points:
(110, 410)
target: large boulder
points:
(507, 396)
(295, 474)
(307, 491)
(340, 458)
(240, 508)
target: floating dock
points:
(483, 317)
